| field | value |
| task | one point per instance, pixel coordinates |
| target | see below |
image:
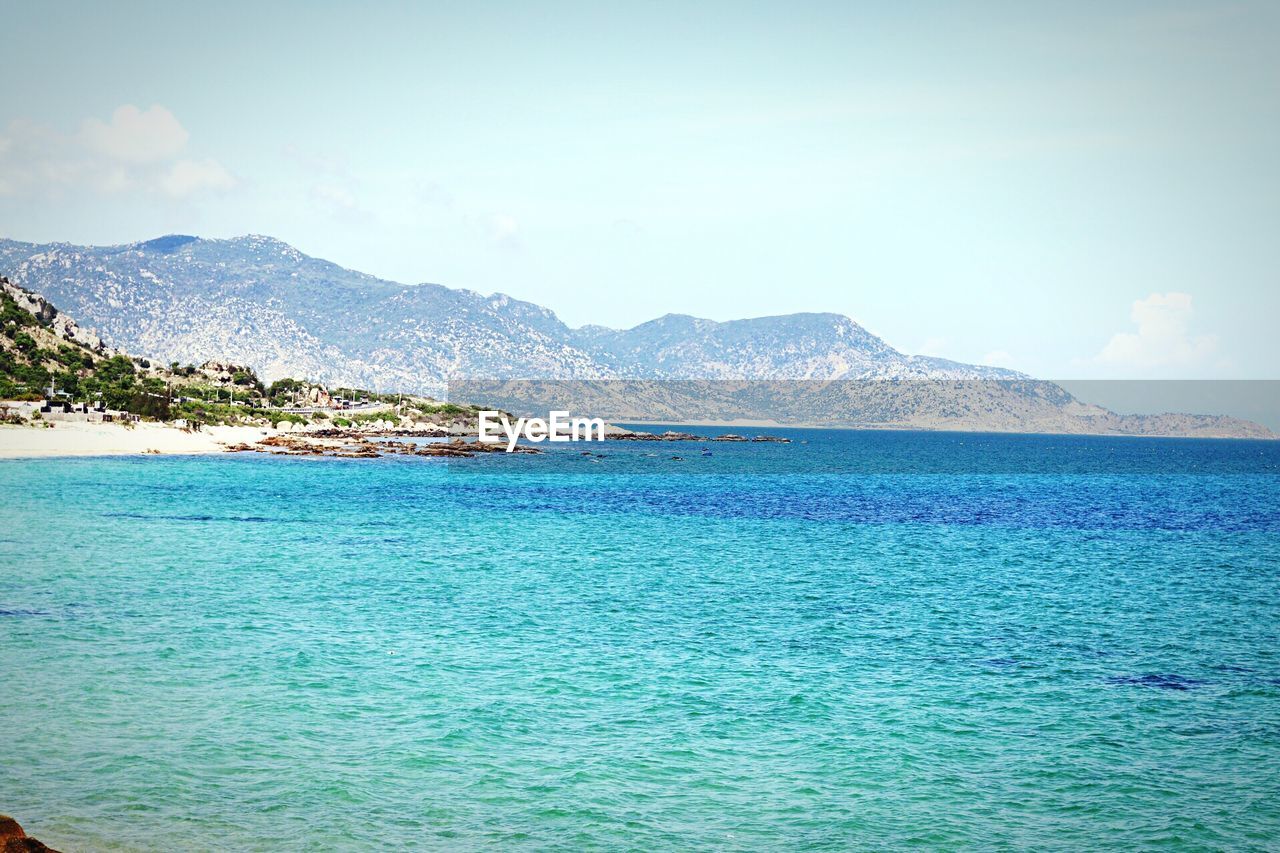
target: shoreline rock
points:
(13, 839)
(338, 444)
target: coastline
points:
(80, 439)
(106, 439)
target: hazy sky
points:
(1077, 191)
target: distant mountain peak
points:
(166, 244)
(257, 300)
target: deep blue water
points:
(857, 640)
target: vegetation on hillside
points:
(34, 359)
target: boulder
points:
(9, 828)
(316, 395)
(14, 840)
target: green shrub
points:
(116, 370)
(10, 313)
(68, 381)
(248, 378)
(441, 409)
(370, 417)
(211, 414)
(73, 358)
(276, 417)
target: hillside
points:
(42, 348)
(255, 300)
(975, 405)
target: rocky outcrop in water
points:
(353, 445)
(14, 840)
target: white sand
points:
(87, 439)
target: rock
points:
(9, 828)
(14, 840)
(455, 448)
(26, 845)
(669, 435)
(49, 316)
(220, 371)
(728, 436)
(317, 395)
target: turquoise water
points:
(1022, 641)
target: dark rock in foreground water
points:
(14, 840)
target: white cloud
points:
(1163, 337)
(186, 177)
(135, 151)
(114, 179)
(135, 136)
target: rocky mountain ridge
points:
(968, 405)
(259, 301)
(58, 324)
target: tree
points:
(117, 370)
(69, 381)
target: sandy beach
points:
(99, 439)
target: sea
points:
(856, 640)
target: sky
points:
(1084, 190)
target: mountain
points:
(973, 405)
(793, 346)
(258, 302)
(255, 300)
